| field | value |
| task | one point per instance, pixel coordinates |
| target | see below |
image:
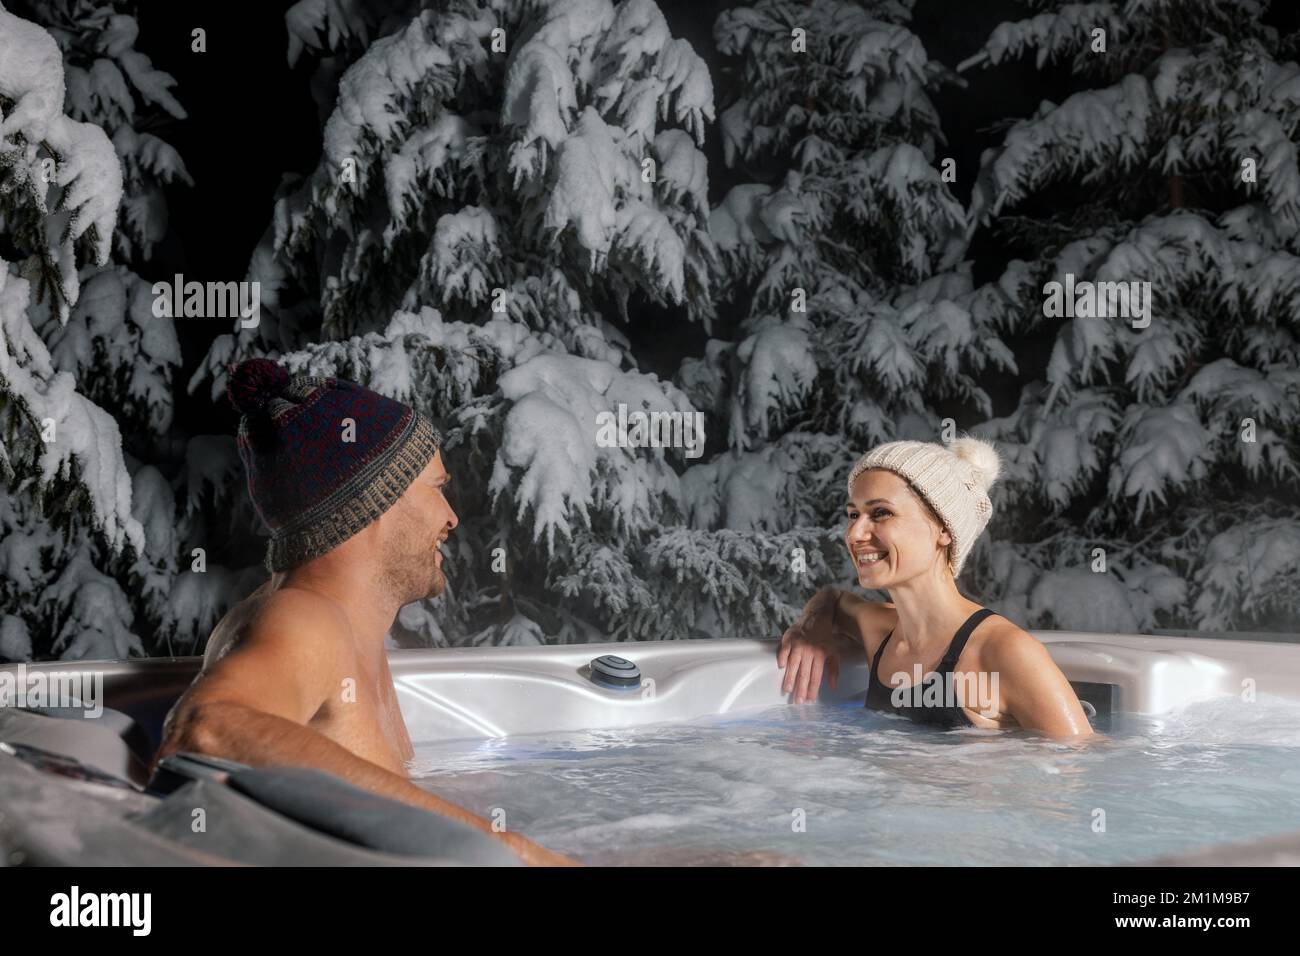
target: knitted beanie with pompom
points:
(325, 457)
(954, 479)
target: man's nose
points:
(452, 520)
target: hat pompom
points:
(982, 458)
(253, 383)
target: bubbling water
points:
(838, 785)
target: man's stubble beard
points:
(412, 574)
(439, 583)
(412, 577)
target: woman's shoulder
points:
(1034, 690)
(1004, 644)
(872, 619)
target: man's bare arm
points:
(253, 705)
(241, 733)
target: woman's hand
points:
(808, 648)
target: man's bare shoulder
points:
(290, 618)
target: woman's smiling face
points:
(892, 535)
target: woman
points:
(915, 509)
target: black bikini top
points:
(880, 695)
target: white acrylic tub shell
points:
(471, 694)
(453, 694)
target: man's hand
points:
(808, 648)
(533, 854)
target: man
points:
(352, 486)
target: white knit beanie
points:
(954, 479)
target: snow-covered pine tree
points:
(113, 342)
(66, 519)
(1163, 455)
(499, 182)
(844, 261)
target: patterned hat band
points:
(357, 502)
(325, 457)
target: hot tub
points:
(695, 757)
(503, 691)
(703, 762)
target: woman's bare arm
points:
(861, 622)
(1032, 688)
(832, 621)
